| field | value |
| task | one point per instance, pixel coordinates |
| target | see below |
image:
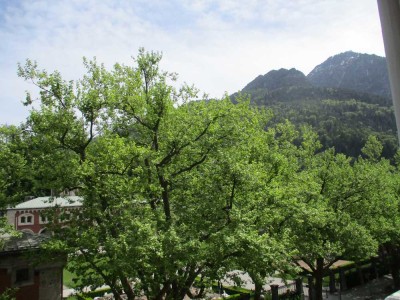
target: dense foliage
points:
(163, 185)
(177, 191)
(343, 119)
(344, 124)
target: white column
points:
(389, 13)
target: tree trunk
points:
(116, 294)
(258, 283)
(257, 290)
(164, 291)
(319, 276)
(127, 288)
(395, 268)
(175, 293)
(395, 265)
(165, 197)
(396, 276)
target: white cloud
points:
(217, 45)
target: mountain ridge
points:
(351, 70)
(365, 73)
(345, 99)
(275, 79)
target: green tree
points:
(15, 179)
(267, 248)
(339, 213)
(8, 294)
(15, 182)
(387, 231)
(163, 179)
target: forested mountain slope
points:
(345, 99)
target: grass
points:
(238, 289)
(68, 278)
(68, 281)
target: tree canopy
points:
(164, 180)
(178, 189)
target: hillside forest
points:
(345, 99)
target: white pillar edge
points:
(389, 13)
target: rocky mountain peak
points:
(350, 70)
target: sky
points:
(217, 45)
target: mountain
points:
(345, 99)
(276, 79)
(349, 70)
(285, 85)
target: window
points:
(65, 216)
(22, 276)
(26, 219)
(44, 219)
